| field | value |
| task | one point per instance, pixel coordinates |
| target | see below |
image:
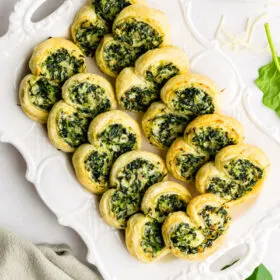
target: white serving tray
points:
(52, 173)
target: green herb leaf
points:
(269, 78)
(260, 273)
(229, 265)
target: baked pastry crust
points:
(87, 20)
(38, 112)
(202, 210)
(95, 183)
(164, 190)
(94, 89)
(134, 236)
(55, 116)
(44, 51)
(250, 169)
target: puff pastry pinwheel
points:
(57, 59)
(143, 238)
(116, 132)
(131, 174)
(92, 167)
(137, 88)
(197, 234)
(136, 29)
(67, 128)
(191, 94)
(109, 9)
(37, 95)
(89, 93)
(162, 125)
(203, 137)
(164, 198)
(87, 30)
(237, 174)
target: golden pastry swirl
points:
(203, 137)
(137, 88)
(198, 233)
(184, 97)
(237, 174)
(131, 175)
(121, 49)
(143, 238)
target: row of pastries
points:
(181, 116)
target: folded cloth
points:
(21, 260)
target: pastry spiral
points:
(237, 174)
(37, 95)
(89, 93)
(162, 126)
(87, 30)
(137, 88)
(92, 167)
(116, 132)
(203, 137)
(143, 238)
(67, 128)
(57, 59)
(199, 233)
(164, 198)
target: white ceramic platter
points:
(52, 173)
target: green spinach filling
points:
(244, 171)
(193, 101)
(119, 55)
(138, 176)
(212, 140)
(161, 74)
(109, 9)
(139, 99)
(152, 240)
(73, 128)
(167, 204)
(99, 164)
(166, 128)
(43, 93)
(92, 99)
(118, 139)
(138, 34)
(188, 239)
(189, 165)
(124, 206)
(61, 65)
(88, 36)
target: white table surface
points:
(23, 212)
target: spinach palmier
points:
(199, 233)
(237, 174)
(116, 132)
(109, 9)
(164, 198)
(191, 94)
(162, 125)
(87, 30)
(57, 59)
(37, 95)
(92, 167)
(143, 238)
(133, 92)
(112, 56)
(89, 93)
(142, 27)
(137, 88)
(204, 137)
(67, 128)
(135, 171)
(116, 207)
